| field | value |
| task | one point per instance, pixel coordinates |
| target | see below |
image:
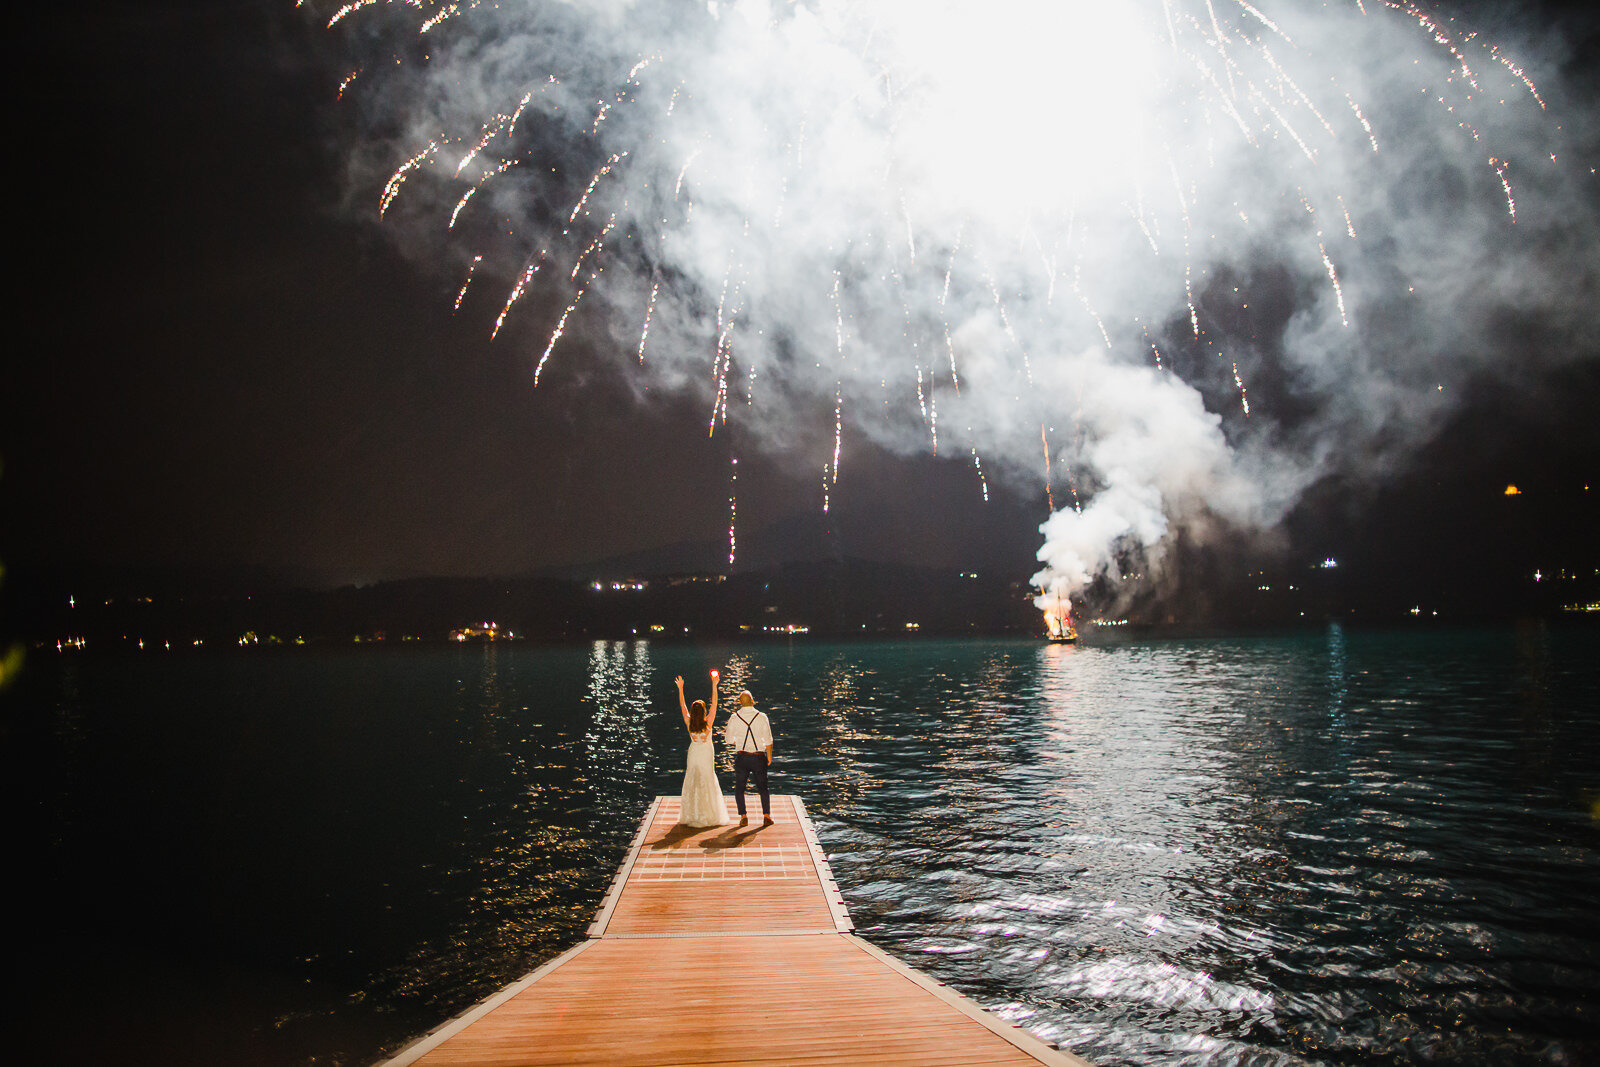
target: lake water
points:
(1333, 847)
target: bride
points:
(702, 803)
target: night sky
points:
(221, 364)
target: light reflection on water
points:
(1332, 848)
(1246, 852)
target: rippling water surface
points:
(1343, 848)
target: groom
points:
(750, 734)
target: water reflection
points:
(1133, 750)
(1329, 847)
(619, 698)
(1337, 681)
(548, 790)
(848, 711)
(1240, 852)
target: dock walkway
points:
(723, 946)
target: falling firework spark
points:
(593, 247)
(1049, 496)
(461, 294)
(577, 209)
(392, 188)
(515, 295)
(649, 309)
(838, 434)
(1333, 276)
(449, 11)
(950, 349)
(504, 166)
(733, 509)
(1500, 172)
(498, 126)
(339, 15)
(1355, 109)
(555, 335)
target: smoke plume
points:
(1199, 254)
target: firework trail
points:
(733, 509)
(461, 294)
(649, 310)
(751, 176)
(515, 294)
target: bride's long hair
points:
(697, 717)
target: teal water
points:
(1332, 847)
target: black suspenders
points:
(749, 729)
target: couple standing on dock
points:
(750, 734)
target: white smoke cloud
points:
(990, 228)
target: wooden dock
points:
(723, 946)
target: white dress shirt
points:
(748, 730)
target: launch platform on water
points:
(727, 945)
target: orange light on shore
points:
(1512, 490)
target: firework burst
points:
(830, 191)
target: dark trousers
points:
(750, 767)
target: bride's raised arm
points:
(684, 707)
(711, 716)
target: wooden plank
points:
(782, 998)
(727, 879)
(722, 946)
(450, 1027)
(841, 917)
(962, 1004)
(609, 901)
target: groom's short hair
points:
(746, 700)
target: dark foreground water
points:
(1343, 848)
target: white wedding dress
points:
(702, 798)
